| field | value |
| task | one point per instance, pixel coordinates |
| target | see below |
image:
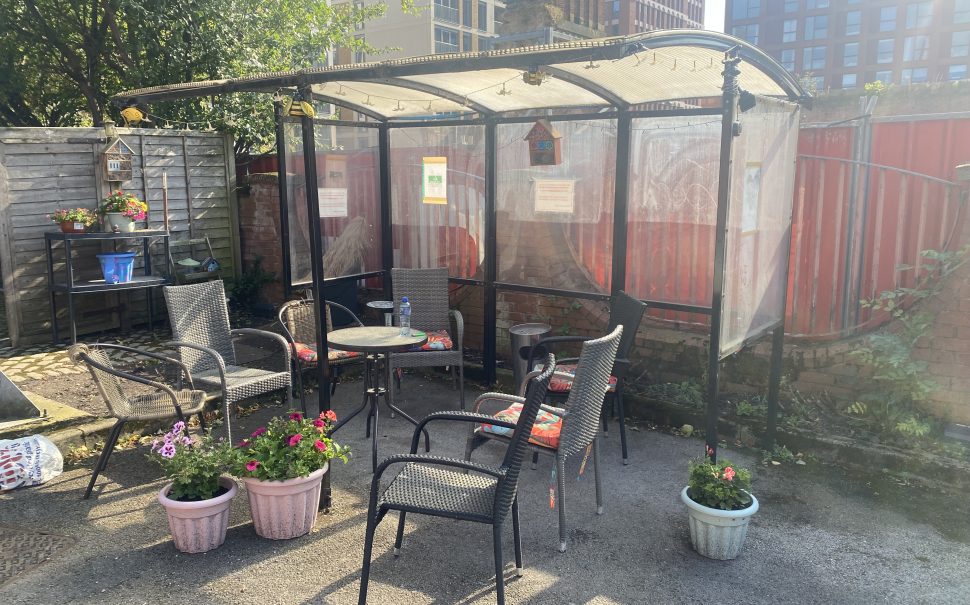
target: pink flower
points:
(295, 439)
(167, 451)
(296, 416)
(330, 415)
(320, 424)
(251, 465)
(320, 445)
(258, 431)
(729, 473)
(243, 443)
(155, 444)
(178, 427)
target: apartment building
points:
(634, 16)
(847, 43)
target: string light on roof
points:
(504, 91)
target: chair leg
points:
(227, 404)
(461, 385)
(109, 446)
(499, 564)
(400, 534)
(606, 422)
(535, 459)
(517, 537)
(368, 548)
(596, 476)
(334, 380)
(299, 385)
(202, 421)
(622, 413)
(561, 504)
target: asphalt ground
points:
(820, 537)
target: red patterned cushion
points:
(564, 385)
(308, 353)
(437, 341)
(545, 431)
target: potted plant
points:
(719, 506)
(197, 498)
(282, 466)
(120, 211)
(73, 220)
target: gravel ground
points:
(821, 536)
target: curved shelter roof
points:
(620, 72)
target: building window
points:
(787, 59)
(919, 14)
(849, 80)
(957, 72)
(887, 19)
(746, 32)
(445, 40)
(914, 75)
(850, 54)
(961, 12)
(813, 58)
(791, 6)
(886, 77)
(466, 13)
(916, 48)
(446, 10)
(817, 27)
(818, 83)
(813, 4)
(466, 42)
(960, 44)
(853, 22)
(884, 51)
(359, 55)
(745, 9)
(359, 24)
(789, 30)
(482, 16)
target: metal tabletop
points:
(375, 339)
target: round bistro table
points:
(376, 343)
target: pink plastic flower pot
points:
(285, 509)
(199, 526)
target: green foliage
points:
(244, 290)
(193, 465)
(755, 407)
(73, 215)
(719, 485)
(686, 393)
(876, 88)
(779, 454)
(287, 447)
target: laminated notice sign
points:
(554, 195)
(333, 202)
(434, 180)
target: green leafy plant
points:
(245, 289)
(755, 407)
(193, 465)
(73, 215)
(719, 484)
(686, 393)
(287, 448)
(127, 204)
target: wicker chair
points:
(299, 327)
(566, 431)
(204, 340)
(444, 487)
(427, 291)
(166, 403)
(625, 311)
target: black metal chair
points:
(167, 403)
(625, 311)
(444, 487)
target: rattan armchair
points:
(427, 291)
(562, 432)
(458, 489)
(299, 326)
(165, 403)
(200, 325)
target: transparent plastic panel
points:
(438, 198)
(555, 222)
(759, 222)
(673, 210)
(348, 187)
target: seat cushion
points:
(558, 384)
(545, 431)
(308, 353)
(438, 340)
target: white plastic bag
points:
(28, 461)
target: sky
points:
(714, 15)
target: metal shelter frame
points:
(426, 85)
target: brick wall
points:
(259, 232)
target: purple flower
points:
(155, 444)
(186, 441)
(167, 451)
(178, 427)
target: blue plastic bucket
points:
(116, 267)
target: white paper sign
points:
(751, 202)
(555, 195)
(333, 202)
(434, 180)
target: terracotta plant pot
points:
(116, 219)
(71, 227)
(199, 526)
(285, 509)
(715, 533)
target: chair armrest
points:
(280, 340)
(132, 378)
(153, 355)
(357, 321)
(505, 398)
(553, 340)
(455, 416)
(220, 363)
(459, 327)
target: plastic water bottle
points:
(405, 322)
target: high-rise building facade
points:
(847, 43)
(634, 16)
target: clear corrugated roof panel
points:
(385, 100)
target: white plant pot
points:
(124, 224)
(715, 533)
(199, 526)
(285, 509)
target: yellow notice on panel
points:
(434, 180)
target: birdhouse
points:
(116, 158)
(545, 144)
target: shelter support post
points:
(729, 115)
(774, 384)
(284, 199)
(624, 128)
(387, 231)
(491, 252)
